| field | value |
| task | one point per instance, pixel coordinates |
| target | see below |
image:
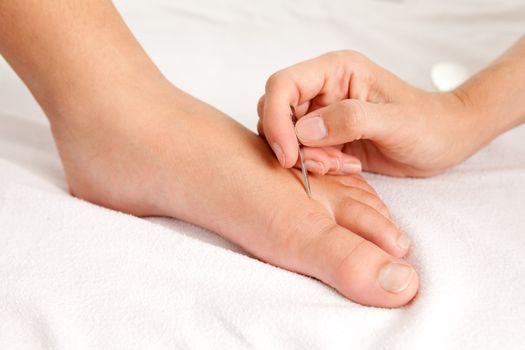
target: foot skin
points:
(162, 152)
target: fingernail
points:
(396, 277)
(403, 242)
(310, 129)
(314, 167)
(279, 153)
(351, 167)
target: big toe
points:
(357, 268)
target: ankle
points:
(103, 99)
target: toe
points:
(369, 198)
(370, 276)
(373, 224)
(357, 268)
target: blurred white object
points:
(447, 76)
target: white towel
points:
(77, 276)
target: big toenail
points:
(396, 277)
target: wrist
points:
(493, 97)
(455, 131)
(480, 124)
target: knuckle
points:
(275, 79)
(356, 57)
(347, 55)
(354, 114)
(336, 161)
(343, 54)
(335, 54)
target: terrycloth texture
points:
(77, 276)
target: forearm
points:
(496, 95)
(66, 50)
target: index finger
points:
(291, 87)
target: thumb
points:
(346, 121)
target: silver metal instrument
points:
(301, 159)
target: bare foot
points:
(157, 151)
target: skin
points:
(131, 141)
(392, 127)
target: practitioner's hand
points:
(349, 107)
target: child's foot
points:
(161, 152)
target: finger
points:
(295, 86)
(277, 120)
(342, 163)
(372, 224)
(329, 160)
(357, 268)
(300, 111)
(347, 121)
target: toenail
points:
(278, 153)
(351, 167)
(310, 129)
(314, 167)
(396, 277)
(403, 241)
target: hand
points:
(349, 107)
